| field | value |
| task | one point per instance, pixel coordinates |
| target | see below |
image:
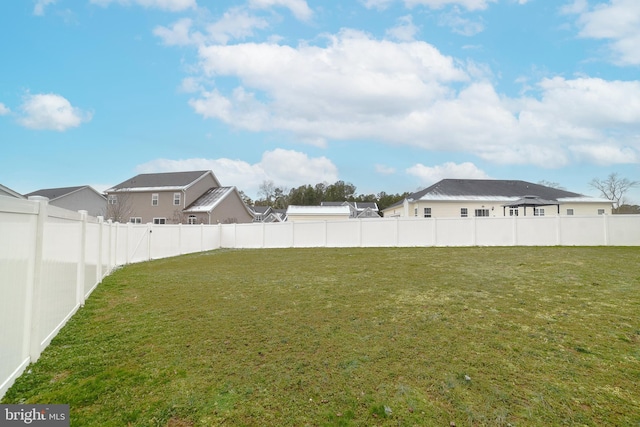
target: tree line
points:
(613, 188)
(312, 195)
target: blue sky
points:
(390, 95)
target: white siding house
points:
(451, 198)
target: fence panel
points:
(250, 234)
(378, 232)
(582, 231)
(343, 234)
(494, 232)
(18, 219)
(58, 297)
(623, 230)
(309, 234)
(278, 235)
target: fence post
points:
(81, 277)
(149, 233)
(99, 262)
(606, 229)
(110, 246)
(127, 253)
(34, 289)
(435, 232)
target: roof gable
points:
(212, 198)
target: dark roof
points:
(54, 193)
(489, 188)
(167, 179)
(492, 187)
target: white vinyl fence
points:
(51, 259)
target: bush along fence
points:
(51, 259)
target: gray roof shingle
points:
(155, 180)
(54, 193)
(489, 188)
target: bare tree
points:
(119, 208)
(551, 184)
(613, 188)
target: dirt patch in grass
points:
(389, 336)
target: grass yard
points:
(354, 337)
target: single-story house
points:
(192, 197)
(318, 213)
(495, 198)
(83, 197)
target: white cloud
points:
(178, 34)
(4, 110)
(617, 21)
(405, 31)
(431, 174)
(310, 88)
(356, 87)
(459, 24)
(433, 4)
(169, 5)
(38, 9)
(286, 168)
(299, 8)
(51, 112)
(235, 24)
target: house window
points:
(113, 199)
(482, 212)
(427, 212)
(415, 212)
(159, 220)
(538, 211)
(176, 199)
(192, 219)
(154, 199)
(569, 211)
(600, 211)
(464, 212)
(513, 211)
(135, 220)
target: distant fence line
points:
(52, 259)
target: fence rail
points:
(52, 259)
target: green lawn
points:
(381, 336)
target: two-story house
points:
(194, 197)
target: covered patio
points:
(532, 202)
